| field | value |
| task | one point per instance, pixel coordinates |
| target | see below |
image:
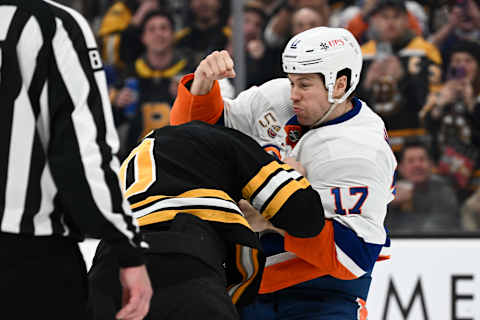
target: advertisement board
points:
(425, 279)
(435, 279)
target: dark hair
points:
(253, 6)
(344, 72)
(158, 13)
(383, 4)
(223, 13)
(472, 49)
(411, 144)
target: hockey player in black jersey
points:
(183, 184)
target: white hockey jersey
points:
(351, 165)
(348, 161)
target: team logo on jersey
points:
(267, 119)
(273, 131)
(294, 132)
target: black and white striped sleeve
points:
(83, 140)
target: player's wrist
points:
(201, 84)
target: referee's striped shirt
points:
(57, 174)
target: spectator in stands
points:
(206, 28)
(359, 24)
(424, 202)
(147, 89)
(399, 71)
(306, 18)
(278, 30)
(449, 115)
(262, 62)
(470, 212)
(119, 49)
(463, 24)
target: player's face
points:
(309, 97)
(158, 34)
(415, 165)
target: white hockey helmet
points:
(327, 51)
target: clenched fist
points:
(217, 65)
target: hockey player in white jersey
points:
(345, 152)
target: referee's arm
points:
(83, 139)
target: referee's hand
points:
(137, 292)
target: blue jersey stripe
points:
(363, 254)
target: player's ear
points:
(340, 87)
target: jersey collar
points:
(357, 106)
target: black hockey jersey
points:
(205, 170)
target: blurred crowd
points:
(421, 74)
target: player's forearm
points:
(201, 85)
(188, 106)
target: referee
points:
(58, 180)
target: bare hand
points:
(375, 72)
(404, 193)
(394, 68)
(142, 11)
(254, 218)
(368, 6)
(124, 97)
(448, 93)
(137, 292)
(292, 162)
(466, 93)
(217, 65)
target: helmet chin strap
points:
(334, 103)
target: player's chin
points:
(304, 121)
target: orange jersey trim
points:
(362, 312)
(316, 257)
(188, 107)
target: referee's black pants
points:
(41, 278)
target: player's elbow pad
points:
(302, 215)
